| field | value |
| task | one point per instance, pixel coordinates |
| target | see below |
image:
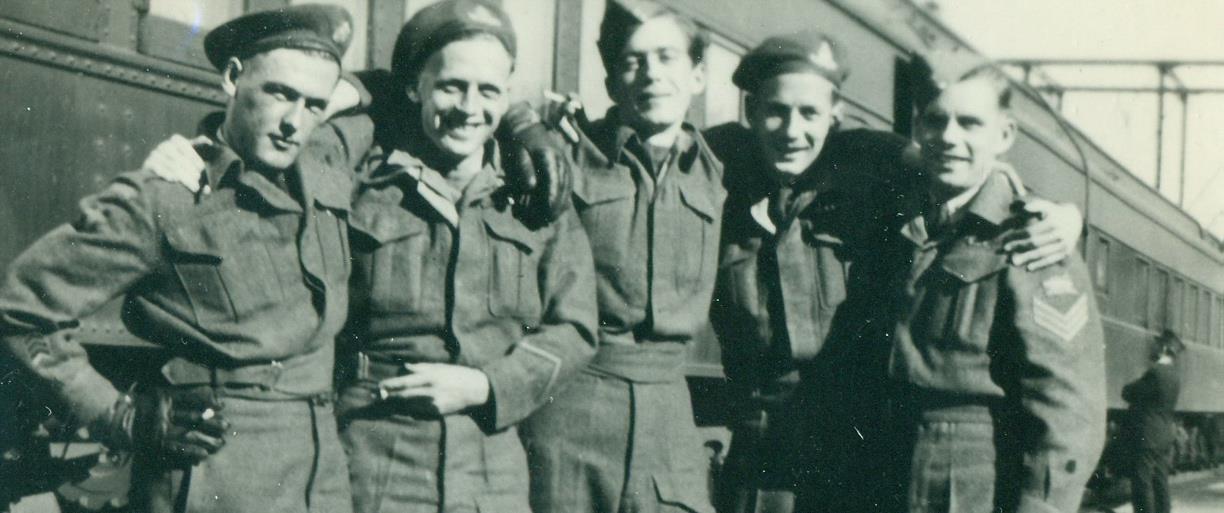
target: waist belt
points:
(275, 378)
(641, 363)
(940, 406)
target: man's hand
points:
(179, 429)
(176, 160)
(438, 388)
(1049, 240)
(539, 170)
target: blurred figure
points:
(1148, 429)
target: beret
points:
(621, 18)
(324, 28)
(808, 51)
(442, 23)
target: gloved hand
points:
(538, 166)
(179, 429)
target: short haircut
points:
(997, 80)
(611, 46)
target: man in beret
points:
(245, 289)
(621, 437)
(997, 371)
(805, 202)
(467, 313)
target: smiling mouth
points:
(281, 143)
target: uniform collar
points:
(223, 168)
(688, 141)
(431, 185)
(990, 203)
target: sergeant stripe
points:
(1064, 325)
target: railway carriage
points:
(92, 85)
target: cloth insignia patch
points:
(1064, 325)
(1060, 285)
(824, 57)
(342, 33)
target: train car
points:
(92, 86)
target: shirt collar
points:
(688, 141)
(432, 186)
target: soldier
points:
(804, 202)
(1147, 430)
(622, 437)
(999, 370)
(465, 316)
(244, 288)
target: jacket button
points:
(1071, 466)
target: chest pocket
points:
(514, 289)
(965, 294)
(606, 206)
(390, 247)
(831, 261)
(694, 244)
(224, 262)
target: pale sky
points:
(1124, 125)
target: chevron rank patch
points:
(1063, 324)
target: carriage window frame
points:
(1100, 265)
(1190, 313)
(1139, 312)
(1158, 303)
(173, 40)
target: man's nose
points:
(292, 119)
(793, 125)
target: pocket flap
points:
(970, 262)
(503, 226)
(698, 201)
(599, 185)
(684, 491)
(385, 223)
(200, 239)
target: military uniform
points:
(1148, 433)
(453, 277)
(786, 257)
(1000, 371)
(622, 436)
(245, 288)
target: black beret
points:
(324, 28)
(621, 18)
(807, 51)
(442, 23)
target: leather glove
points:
(176, 429)
(538, 166)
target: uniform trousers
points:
(958, 462)
(611, 445)
(1149, 477)
(407, 462)
(280, 456)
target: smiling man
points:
(244, 288)
(797, 296)
(621, 438)
(465, 316)
(999, 370)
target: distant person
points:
(1148, 430)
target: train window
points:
(535, 22)
(1139, 309)
(1219, 323)
(357, 56)
(1100, 268)
(1158, 306)
(1190, 314)
(722, 98)
(175, 29)
(591, 72)
(1174, 306)
(1204, 317)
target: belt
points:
(659, 362)
(273, 379)
(941, 406)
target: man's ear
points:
(1008, 137)
(839, 109)
(699, 78)
(229, 77)
(410, 91)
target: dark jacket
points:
(1152, 398)
(971, 328)
(655, 241)
(249, 281)
(487, 292)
